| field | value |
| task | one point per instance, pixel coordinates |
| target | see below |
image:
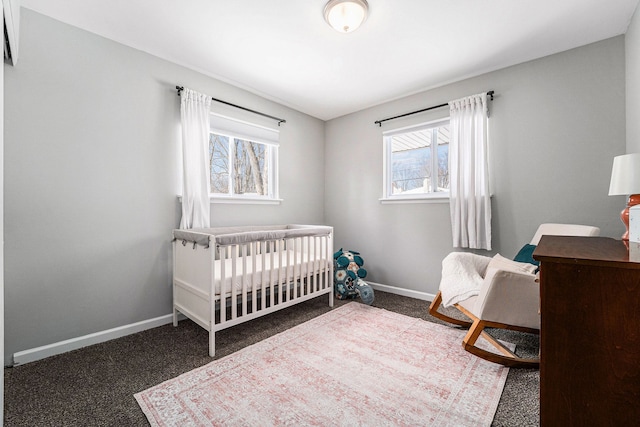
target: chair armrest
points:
(510, 298)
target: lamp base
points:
(633, 200)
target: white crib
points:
(229, 275)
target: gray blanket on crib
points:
(238, 235)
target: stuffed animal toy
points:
(348, 275)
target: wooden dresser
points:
(590, 332)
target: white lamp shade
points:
(625, 175)
(346, 16)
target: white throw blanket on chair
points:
(462, 276)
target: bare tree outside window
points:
(250, 175)
(219, 161)
(239, 165)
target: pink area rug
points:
(355, 365)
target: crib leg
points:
(212, 343)
(175, 317)
(331, 298)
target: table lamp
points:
(625, 180)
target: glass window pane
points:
(443, 158)
(411, 162)
(250, 171)
(219, 161)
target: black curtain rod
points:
(379, 122)
(279, 120)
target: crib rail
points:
(222, 285)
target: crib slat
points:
(266, 284)
(275, 257)
(304, 255)
(325, 277)
(288, 244)
(245, 279)
(254, 278)
(330, 267)
(318, 276)
(266, 279)
(223, 293)
(275, 249)
(322, 264)
(295, 274)
(310, 264)
(307, 282)
(303, 268)
(278, 277)
(314, 278)
(295, 267)
(234, 278)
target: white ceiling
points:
(284, 51)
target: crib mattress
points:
(286, 266)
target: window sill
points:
(430, 199)
(241, 200)
(244, 200)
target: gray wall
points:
(556, 124)
(91, 180)
(632, 57)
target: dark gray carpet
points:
(94, 386)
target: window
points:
(243, 161)
(417, 162)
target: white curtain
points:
(470, 201)
(194, 113)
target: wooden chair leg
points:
(508, 358)
(433, 310)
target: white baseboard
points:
(401, 291)
(38, 353)
(31, 355)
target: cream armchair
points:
(508, 298)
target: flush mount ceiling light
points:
(346, 16)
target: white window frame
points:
(387, 194)
(238, 129)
